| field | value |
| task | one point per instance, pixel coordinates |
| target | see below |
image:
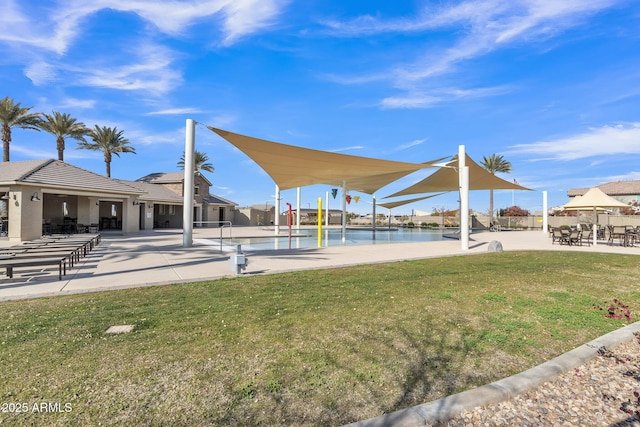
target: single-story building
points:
(48, 196)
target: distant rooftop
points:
(617, 188)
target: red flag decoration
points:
(348, 199)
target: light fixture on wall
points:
(136, 202)
(5, 196)
(150, 205)
(35, 197)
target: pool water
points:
(333, 237)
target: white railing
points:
(222, 224)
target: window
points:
(172, 209)
(65, 209)
(161, 210)
(114, 212)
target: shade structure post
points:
(276, 214)
(189, 166)
(344, 211)
(545, 213)
(319, 222)
(326, 210)
(373, 220)
(298, 195)
(595, 227)
(463, 176)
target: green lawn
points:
(323, 347)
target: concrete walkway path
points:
(158, 257)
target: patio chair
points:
(586, 236)
(574, 237)
(618, 232)
(557, 235)
(631, 235)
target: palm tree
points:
(63, 125)
(12, 114)
(109, 141)
(200, 162)
(495, 163)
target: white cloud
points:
(48, 32)
(248, 16)
(411, 144)
(174, 112)
(77, 103)
(152, 72)
(40, 73)
(411, 101)
(353, 147)
(603, 141)
(481, 27)
(54, 29)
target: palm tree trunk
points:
(6, 139)
(60, 147)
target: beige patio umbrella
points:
(595, 199)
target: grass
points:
(323, 347)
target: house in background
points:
(50, 196)
(625, 191)
(208, 209)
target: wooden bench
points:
(11, 263)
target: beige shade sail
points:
(395, 204)
(290, 166)
(446, 179)
(593, 199)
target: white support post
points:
(298, 209)
(326, 210)
(463, 176)
(187, 211)
(373, 221)
(276, 214)
(545, 213)
(344, 211)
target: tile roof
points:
(217, 200)
(616, 188)
(156, 192)
(163, 177)
(167, 177)
(55, 173)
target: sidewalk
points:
(158, 257)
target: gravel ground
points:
(593, 394)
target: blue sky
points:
(553, 86)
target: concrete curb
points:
(448, 407)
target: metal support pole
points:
(344, 211)
(373, 221)
(187, 212)
(545, 213)
(326, 210)
(276, 214)
(463, 176)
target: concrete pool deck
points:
(157, 257)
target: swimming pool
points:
(333, 237)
